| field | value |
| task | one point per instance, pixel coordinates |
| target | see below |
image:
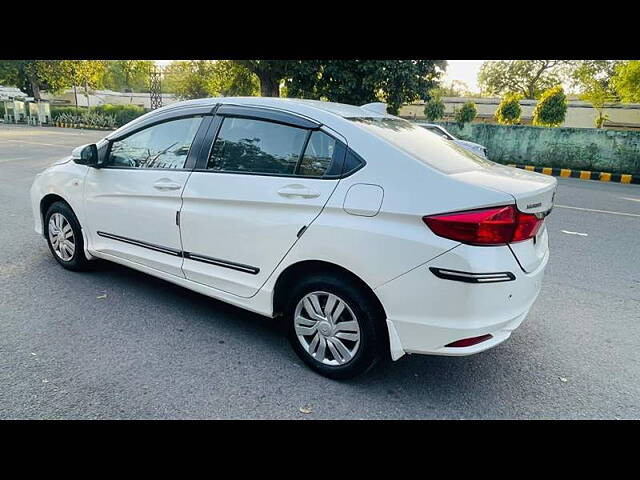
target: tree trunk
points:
(531, 92)
(269, 86)
(35, 88)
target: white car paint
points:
(369, 223)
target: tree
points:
(594, 81)
(466, 113)
(84, 73)
(529, 77)
(508, 112)
(188, 79)
(270, 73)
(551, 108)
(455, 88)
(626, 81)
(597, 96)
(434, 107)
(32, 76)
(229, 78)
(131, 75)
(583, 74)
(209, 78)
(363, 81)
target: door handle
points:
(166, 185)
(297, 190)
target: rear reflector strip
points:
(467, 342)
(469, 277)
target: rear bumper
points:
(425, 313)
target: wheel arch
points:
(46, 202)
(306, 267)
(289, 275)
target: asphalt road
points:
(154, 350)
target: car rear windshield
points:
(439, 153)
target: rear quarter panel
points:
(381, 247)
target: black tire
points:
(369, 317)
(77, 261)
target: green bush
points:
(434, 109)
(508, 112)
(86, 119)
(56, 111)
(466, 113)
(121, 114)
(551, 108)
(1, 109)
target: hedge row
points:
(122, 113)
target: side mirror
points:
(86, 155)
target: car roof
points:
(296, 105)
(330, 114)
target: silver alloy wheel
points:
(327, 328)
(61, 237)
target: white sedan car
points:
(369, 236)
(443, 132)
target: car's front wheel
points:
(334, 327)
(64, 237)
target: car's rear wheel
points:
(64, 237)
(334, 327)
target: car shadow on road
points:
(430, 382)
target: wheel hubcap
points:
(327, 328)
(61, 237)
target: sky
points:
(463, 70)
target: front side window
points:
(165, 145)
(246, 145)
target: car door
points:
(133, 199)
(267, 177)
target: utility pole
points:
(155, 87)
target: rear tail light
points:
(488, 226)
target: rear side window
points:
(318, 155)
(247, 145)
(352, 162)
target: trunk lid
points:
(533, 193)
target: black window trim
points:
(273, 115)
(222, 113)
(301, 156)
(361, 165)
(160, 117)
(194, 151)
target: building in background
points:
(10, 93)
(100, 97)
(622, 116)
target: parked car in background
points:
(442, 132)
(366, 234)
